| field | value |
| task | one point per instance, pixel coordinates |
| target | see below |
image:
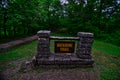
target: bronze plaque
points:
(64, 47)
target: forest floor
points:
(106, 66)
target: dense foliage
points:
(26, 17)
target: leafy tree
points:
(24, 18)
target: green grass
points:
(107, 48)
(106, 57)
(26, 51)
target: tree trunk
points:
(4, 23)
(99, 14)
(14, 31)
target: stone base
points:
(63, 61)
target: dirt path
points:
(14, 73)
(4, 47)
(56, 75)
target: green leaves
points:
(97, 16)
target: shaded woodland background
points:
(21, 18)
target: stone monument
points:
(82, 55)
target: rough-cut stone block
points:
(85, 34)
(84, 56)
(51, 58)
(43, 33)
(45, 55)
(86, 40)
(84, 45)
(58, 59)
(74, 59)
(44, 42)
(84, 49)
(83, 53)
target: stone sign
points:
(82, 55)
(64, 47)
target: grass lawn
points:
(106, 57)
